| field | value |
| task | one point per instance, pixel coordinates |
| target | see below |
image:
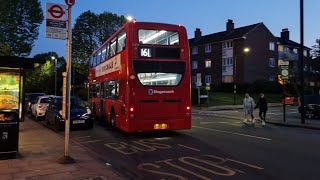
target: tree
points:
(19, 26)
(315, 52)
(41, 79)
(89, 32)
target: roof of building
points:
(222, 36)
(290, 43)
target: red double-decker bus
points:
(140, 78)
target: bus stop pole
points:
(67, 159)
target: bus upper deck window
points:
(158, 37)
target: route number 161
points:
(145, 52)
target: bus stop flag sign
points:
(56, 21)
(70, 2)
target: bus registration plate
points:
(160, 126)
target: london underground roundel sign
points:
(70, 2)
(56, 11)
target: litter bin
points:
(9, 133)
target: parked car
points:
(312, 106)
(39, 107)
(29, 99)
(80, 114)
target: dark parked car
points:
(312, 106)
(30, 99)
(80, 114)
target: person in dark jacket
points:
(263, 107)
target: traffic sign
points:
(70, 2)
(284, 70)
(56, 11)
(56, 21)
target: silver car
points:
(39, 107)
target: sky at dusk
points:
(208, 15)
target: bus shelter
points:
(12, 71)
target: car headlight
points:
(85, 116)
(88, 111)
(60, 112)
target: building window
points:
(227, 79)
(272, 78)
(231, 61)
(194, 50)
(305, 53)
(227, 44)
(224, 68)
(208, 79)
(272, 62)
(272, 46)
(295, 50)
(280, 48)
(207, 48)
(194, 64)
(227, 61)
(194, 79)
(208, 63)
(286, 49)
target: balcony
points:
(288, 56)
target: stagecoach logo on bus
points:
(109, 66)
(152, 92)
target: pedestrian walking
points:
(248, 105)
(263, 108)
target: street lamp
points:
(245, 50)
(55, 74)
(129, 18)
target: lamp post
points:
(245, 50)
(55, 74)
(129, 18)
(301, 63)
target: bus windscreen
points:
(159, 73)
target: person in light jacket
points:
(248, 105)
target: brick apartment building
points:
(250, 51)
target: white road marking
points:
(250, 165)
(228, 132)
(81, 137)
(273, 113)
(92, 141)
(188, 147)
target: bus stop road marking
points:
(85, 142)
(250, 165)
(80, 137)
(228, 132)
(187, 147)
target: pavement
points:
(39, 150)
(290, 122)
